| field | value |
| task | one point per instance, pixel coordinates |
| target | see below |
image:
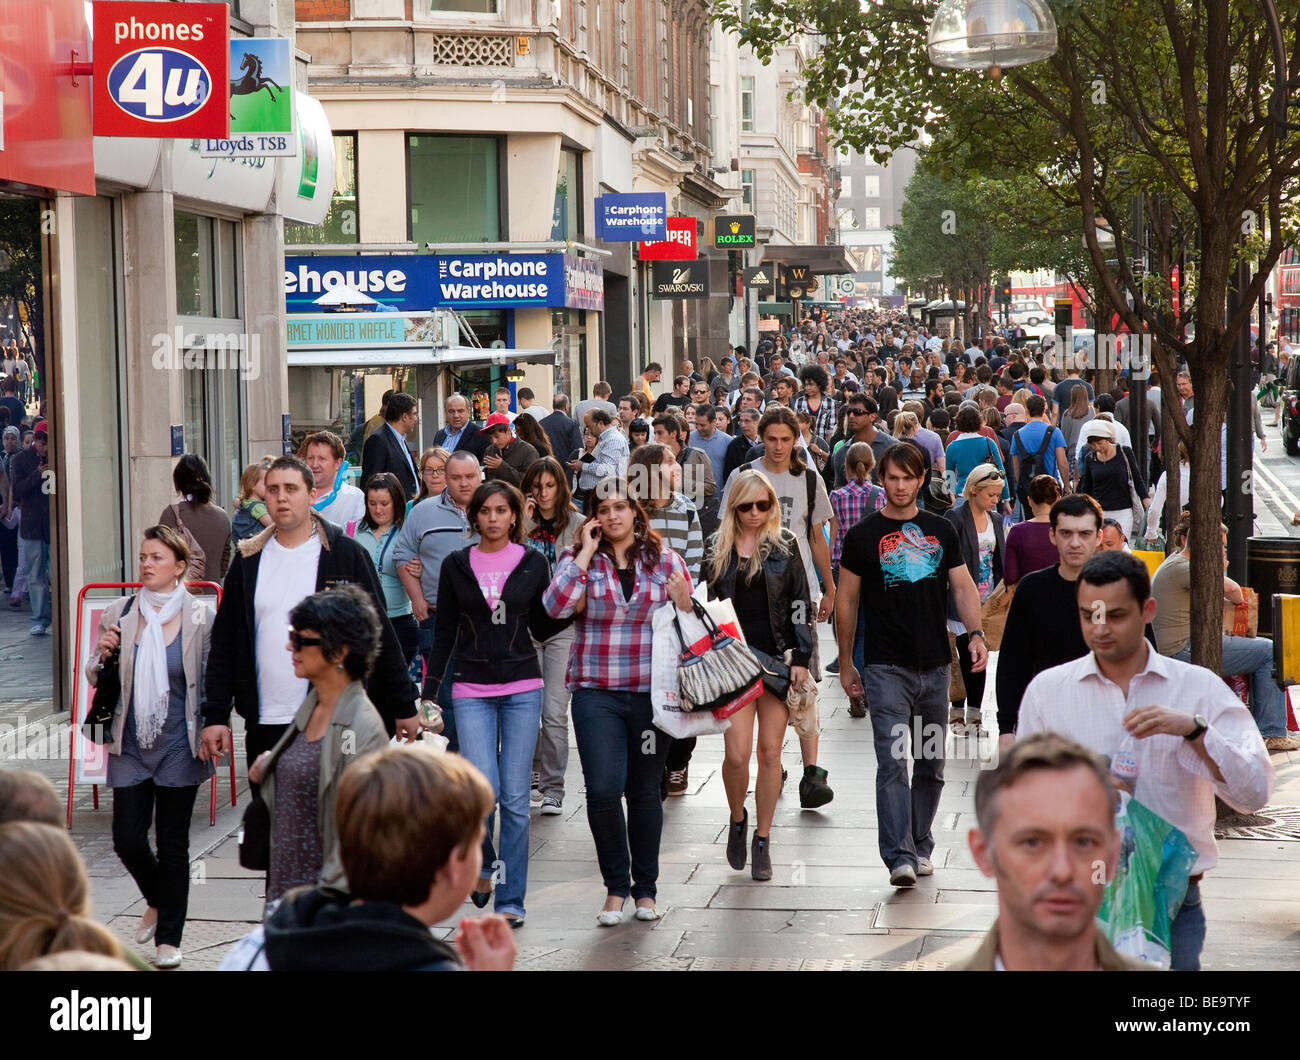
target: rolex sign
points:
(733, 232)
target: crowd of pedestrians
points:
(500, 586)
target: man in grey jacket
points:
(433, 530)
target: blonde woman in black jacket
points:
(755, 563)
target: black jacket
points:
(786, 582)
(737, 453)
(383, 452)
(29, 490)
(961, 518)
(232, 658)
(563, 431)
(488, 651)
(320, 930)
(473, 440)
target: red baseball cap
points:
(41, 427)
(497, 419)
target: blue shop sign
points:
(416, 283)
(633, 217)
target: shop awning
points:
(459, 356)
(822, 260)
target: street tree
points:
(1158, 101)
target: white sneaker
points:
(903, 875)
(552, 806)
(167, 957)
(37, 630)
(924, 867)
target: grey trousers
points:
(551, 758)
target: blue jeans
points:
(443, 697)
(622, 758)
(497, 735)
(1187, 932)
(38, 578)
(907, 704)
(1253, 656)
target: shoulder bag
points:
(107, 696)
(255, 830)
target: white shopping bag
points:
(664, 656)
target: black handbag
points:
(776, 673)
(255, 830)
(107, 696)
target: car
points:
(1028, 312)
(1290, 399)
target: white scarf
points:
(152, 684)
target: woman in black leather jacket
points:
(755, 563)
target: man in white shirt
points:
(1191, 738)
(528, 403)
(501, 403)
(337, 499)
(249, 665)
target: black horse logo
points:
(252, 81)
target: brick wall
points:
(322, 10)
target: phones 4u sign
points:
(161, 69)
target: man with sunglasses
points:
(272, 572)
(863, 413)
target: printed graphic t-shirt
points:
(904, 569)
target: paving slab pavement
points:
(828, 907)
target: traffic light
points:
(1004, 292)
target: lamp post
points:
(991, 35)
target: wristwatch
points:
(976, 633)
(1201, 726)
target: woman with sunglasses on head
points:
(334, 638)
(614, 579)
(755, 563)
(377, 532)
(550, 524)
(489, 612)
(983, 548)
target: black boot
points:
(813, 789)
(736, 834)
(762, 858)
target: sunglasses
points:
(748, 506)
(298, 641)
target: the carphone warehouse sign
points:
(416, 283)
(500, 280)
(632, 218)
(161, 69)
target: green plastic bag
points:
(1150, 882)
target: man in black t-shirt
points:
(899, 564)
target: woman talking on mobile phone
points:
(613, 580)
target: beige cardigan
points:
(355, 728)
(196, 634)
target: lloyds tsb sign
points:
(733, 232)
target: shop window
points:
(207, 266)
(343, 221)
(567, 220)
(101, 426)
(454, 185)
(479, 7)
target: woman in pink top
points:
(489, 608)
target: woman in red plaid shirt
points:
(615, 578)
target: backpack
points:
(1036, 464)
(198, 565)
(810, 480)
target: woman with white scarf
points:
(154, 766)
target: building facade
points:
(870, 201)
